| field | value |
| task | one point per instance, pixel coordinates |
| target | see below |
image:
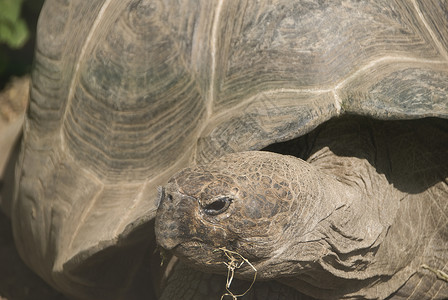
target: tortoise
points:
(363, 218)
(126, 93)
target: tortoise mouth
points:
(200, 254)
(190, 245)
(192, 248)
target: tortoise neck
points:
(339, 252)
(359, 207)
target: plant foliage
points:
(13, 29)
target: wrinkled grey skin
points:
(358, 219)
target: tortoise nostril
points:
(218, 206)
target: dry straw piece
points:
(236, 261)
(439, 273)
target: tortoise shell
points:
(125, 93)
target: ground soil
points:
(17, 281)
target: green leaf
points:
(10, 10)
(13, 29)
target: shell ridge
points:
(80, 59)
(388, 58)
(338, 86)
(127, 213)
(85, 215)
(214, 41)
(440, 47)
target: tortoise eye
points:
(217, 206)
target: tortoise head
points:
(247, 202)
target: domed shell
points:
(125, 93)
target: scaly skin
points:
(342, 225)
